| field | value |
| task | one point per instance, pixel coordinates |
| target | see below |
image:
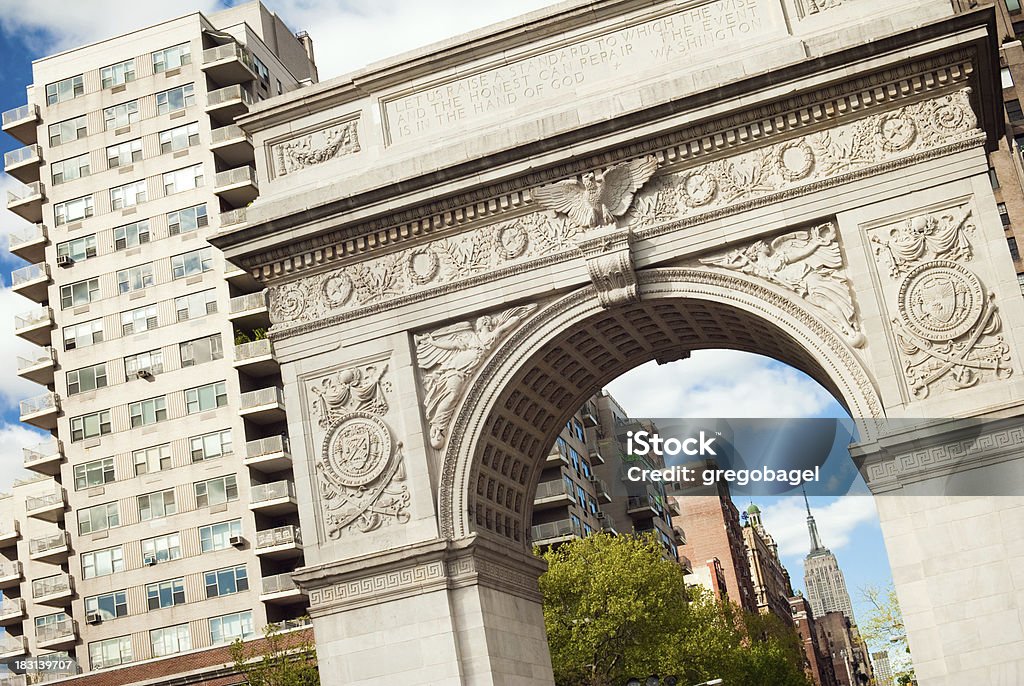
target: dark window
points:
(1013, 110)
(1011, 243)
(993, 178)
(1004, 215)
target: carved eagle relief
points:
(601, 196)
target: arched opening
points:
(572, 347)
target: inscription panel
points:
(689, 35)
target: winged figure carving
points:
(601, 196)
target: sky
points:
(348, 35)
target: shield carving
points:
(937, 299)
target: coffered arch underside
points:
(572, 347)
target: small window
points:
(67, 89)
(110, 652)
(183, 221)
(72, 210)
(218, 536)
(135, 278)
(83, 335)
(183, 179)
(217, 491)
(210, 446)
(227, 628)
(131, 235)
(201, 350)
(108, 605)
(156, 505)
(993, 178)
(175, 99)
(179, 138)
(79, 249)
(128, 195)
(194, 262)
(95, 473)
(206, 397)
(98, 518)
(162, 548)
(138, 320)
(1013, 6)
(171, 58)
(102, 562)
(226, 581)
(196, 305)
(1013, 110)
(116, 74)
(79, 293)
(123, 154)
(155, 459)
(67, 131)
(69, 169)
(1011, 243)
(119, 116)
(1004, 214)
(170, 640)
(90, 425)
(151, 361)
(87, 378)
(149, 411)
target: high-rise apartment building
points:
(167, 521)
(826, 586)
(770, 578)
(883, 669)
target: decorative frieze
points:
(315, 147)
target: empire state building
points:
(826, 587)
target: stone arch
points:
(569, 349)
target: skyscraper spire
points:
(812, 527)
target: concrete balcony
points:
(264, 406)
(41, 411)
(12, 611)
(685, 563)
(268, 455)
(232, 145)
(231, 63)
(23, 163)
(552, 494)
(12, 646)
(275, 498)
(678, 535)
(240, 278)
(27, 202)
(590, 415)
(10, 573)
(49, 507)
(45, 458)
(596, 457)
(673, 507)
(602, 489)
(642, 506)
(237, 186)
(233, 217)
(249, 311)
(35, 326)
(32, 282)
(21, 123)
(57, 635)
(225, 104)
(280, 589)
(53, 548)
(14, 680)
(553, 532)
(39, 367)
(29, 243)
(282, 542)
(10, 533)
(556, 456)
(54, 590)
(256, 358)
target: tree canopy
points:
(282, 658)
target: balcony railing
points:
(267, 446)
(233, 217)
(640, 502)
(19, 194)
(264, 396)
(227, 94)
(282, 535)
(11, 606)
(42, 357)
(48, 500)
(21, 155)
(249, 301)
(51, 585)
(247, 351)
(29, 234)
(40, 403)
(52, 542)
(18, 113)
(30, 273)
(227, 133)
(10, 568)
(12, 644)
(273, 491)
(278, 583)
(222, 52)
(55, 630)
(42, 451)
(557, 529)
(551, 489)
(44, 315)
(234, 176)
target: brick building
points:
(817, 664)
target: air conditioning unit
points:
(144, 374)
(237, 541)
(65, 260)
(93, 618)
(149, 560)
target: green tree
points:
(884, 629)
(614, 608)
(283, 658)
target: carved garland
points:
(316, 147)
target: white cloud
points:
(786, 520)
(719, 383)
(14, 437)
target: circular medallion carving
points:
(357, 450)
(288, 303)
(423, 265)
(941, 300)
(512, 241)
(795, 159)
(699, 189)
(897, 131)
(949, 117)
(337, 289)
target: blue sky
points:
(712, 383)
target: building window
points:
(79, 249)
(226, 581)
(1013, 110)
(227, 628)
(155, 459)
(183, 221)
(1004, 214)
(1013, 6)
(194, 262)
(151, 361)
(1020, 282)
(175, 99)
(131, 235)
(179, 138)
(206, 397)
(170, 640)
(102, 562)
(165, 594)
(79, 293)
(108, 605)
(119, 116)
(993, 178)
(135, 278)
(210, 446)
(95, 473)
(196, 305)
(69, 169)
(161, 548)
(64, 90)
(67, 131)
(183, 179)
(116, 74)
(128, 195)
(123, 154)
(111, 652)
(90, 425)
(157, 505)
(149, 411)
(216, 491)
(87, 378)
(98, 518)
(171, 58)
(138, 320)
(83, 335)
(72, 210)
(218, 536)
(1006, 77)
(201, 350)
(1011, 243)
